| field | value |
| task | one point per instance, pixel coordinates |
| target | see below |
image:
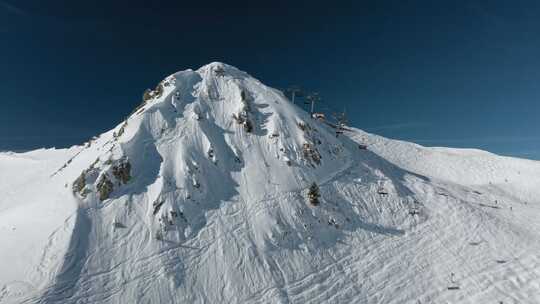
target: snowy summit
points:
(218, 189)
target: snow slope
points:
(36, 221)
(200, 196)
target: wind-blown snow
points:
(200, 196)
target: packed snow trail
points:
(200, 196)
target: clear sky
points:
(439, 73)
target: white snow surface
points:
(216, 213)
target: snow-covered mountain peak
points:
(204, 137)
(218, 189)
(220, 69)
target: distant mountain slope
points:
(217, 189)
(514, 176)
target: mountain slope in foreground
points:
(201, 196)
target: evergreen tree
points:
(313, 194)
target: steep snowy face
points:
(201, 138)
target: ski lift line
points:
(330, 107)
(311, 99)
(459, 257)
(325, 106)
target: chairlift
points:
(382, 191)
(414, 211)
(117, 224)
(454, 285)
(319, 116)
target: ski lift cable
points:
(483, 240)
(319, 101)
(457, 256)
(438, 236)
(326, 107)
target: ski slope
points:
(201, 196)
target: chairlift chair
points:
(453, 284)
(414, 211)
(382, 191)
(320, 116)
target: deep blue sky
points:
(441, 73)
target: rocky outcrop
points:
(107, 175)
(311, 153)
(122, 171)
(79, 183)
(104, 187)
(243, 117)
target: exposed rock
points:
(79, 183)
(147, 95)
(242, 117)
(122, 171)
(210, 153)
(158, 91)
(157, 205)
(303, 126)
(121, 130)
(311, 153)
(104, 187)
